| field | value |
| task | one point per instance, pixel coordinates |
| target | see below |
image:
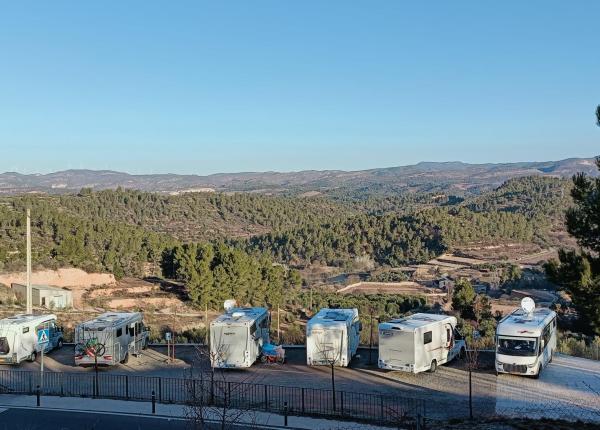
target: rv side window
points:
(253, 329)
(427, 337)
(119, 332)
(25, 329)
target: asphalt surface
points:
(31, 419)
(39, 419)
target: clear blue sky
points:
(204, 87)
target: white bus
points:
(110, 339)
(237, 337)
(419, 342)
(19, 337)
(332, 336)
(525, 340)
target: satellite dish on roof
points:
(528, 305)
(229, 304)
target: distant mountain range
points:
(449, 177)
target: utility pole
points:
(278, 327)
(29, 307)
(371, 340)
(206, 326)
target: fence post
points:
(302, 400)
(37, 393)
(285, 414)
(62, 384)
(342, 403)
(30, 385)
(470, 395)
(381, 406)
(127, 387)
(266, 398)
(228, 398)
(153, 402)
(160, 389)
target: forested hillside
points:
(239, 238)
(199, 216)
(392, 239)
(532, 196)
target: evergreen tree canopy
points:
(579, 272)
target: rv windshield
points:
(523, 346)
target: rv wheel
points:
(433, 367)
(33, 356)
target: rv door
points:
(448, 337)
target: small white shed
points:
(45, 296)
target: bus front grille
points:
(515, 368)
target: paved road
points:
(31, 419)
(40, 419)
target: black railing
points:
(209, 390)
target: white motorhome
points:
(19, 337)
(110, 339)
(525, 340)
(419, 342)
(237, 337)
(332, 336)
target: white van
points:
(525, 340)
(110, 339)
(237, 337)
(332, 336)
(19, 337)
(419, 342)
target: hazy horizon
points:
(297, 171)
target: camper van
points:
(525, 340)
(19, 337)
(237, 337)
(110, 339)
(419, 343)
(332, 336)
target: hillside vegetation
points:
(214, 241)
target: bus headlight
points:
(531, 365)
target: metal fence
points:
(372, 407)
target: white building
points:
(45, 296)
